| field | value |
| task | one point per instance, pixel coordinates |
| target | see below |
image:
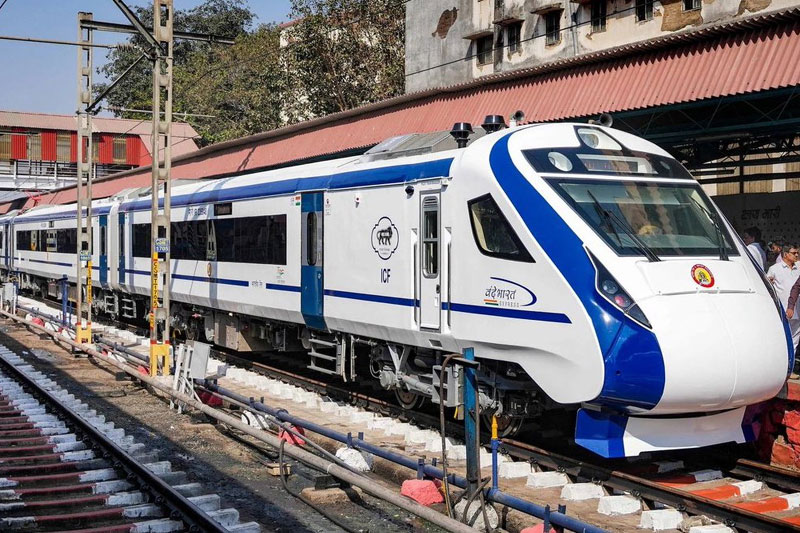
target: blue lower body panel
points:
(614, 435)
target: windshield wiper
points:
(712, 215)
(610, 217)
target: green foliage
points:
(224, 18)
(343, 54)
(240, 85)
(339, 54)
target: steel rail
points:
(368, 485)
(729, 514)
(771, 475)
(178, 505)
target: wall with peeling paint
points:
(441, 46)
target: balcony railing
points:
(24, 174)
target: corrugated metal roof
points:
(753, 54)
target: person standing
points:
(752, 237)
(775, 253)
(784, 276)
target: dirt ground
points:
(226, 464)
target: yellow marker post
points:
(83, 330)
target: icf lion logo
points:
(384, 238)
(703, 276)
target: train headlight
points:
(614, 293)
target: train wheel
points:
(408, 400)
(507, 426)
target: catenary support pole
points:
(161, 186)
(83, 293)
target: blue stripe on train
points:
(345, 180)
(634, 364)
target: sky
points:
(41, 78)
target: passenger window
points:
(493, 234)
(430, 238)
(311, 239)
(103, 240)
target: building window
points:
(63, 147)
(598, 15)
(35, 146)
(483, 50)
(552, 27)
(120, 150)
(5, 147)
(689, 5)
(644, 10)
(514, 36)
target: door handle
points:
(438, 288)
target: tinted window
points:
(492, 232)
(311, 238)
(671, 219)
(259, 240)
(23, 241)
(141, 240)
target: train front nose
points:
(721, 350)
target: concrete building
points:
(38, 152)
(449, 42)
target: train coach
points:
(584, 265)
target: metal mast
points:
(83, 326)
(160, 215)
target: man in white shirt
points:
(751, 237)
(783, 276)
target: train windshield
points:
(642, 217)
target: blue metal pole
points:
(557, 519)
(495, 446)
(64, 301)
(471, 423)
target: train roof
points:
(398, 159)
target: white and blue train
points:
(584, 265)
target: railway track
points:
(722, 497)
(63, 467)
(744, 496)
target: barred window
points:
(552, 27)
(483, 50)
(644, 10)
(63, 147)
(598, 15)
(35, 146)
(514, 32)
(5, 147)
(120, 150)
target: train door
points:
(311, 272)
(430, 260)
(103, 256)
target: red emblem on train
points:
(703, 276)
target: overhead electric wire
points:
(54, 41)
(3, 4)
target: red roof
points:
(753, 54)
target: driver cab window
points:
(493, 234)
